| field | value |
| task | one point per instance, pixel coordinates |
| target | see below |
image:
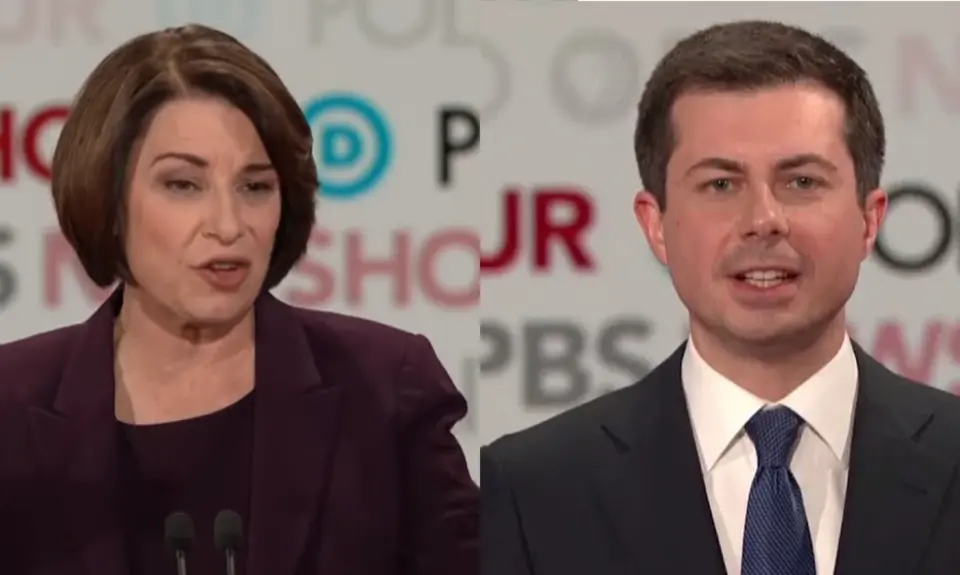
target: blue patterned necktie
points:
(776, 538)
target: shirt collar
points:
(719, 409)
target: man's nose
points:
(763, 214)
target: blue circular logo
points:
(354, 146)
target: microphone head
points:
(228, 531)
(178, 531)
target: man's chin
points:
(769, 330)
(775, 335)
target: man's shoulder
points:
(942, 407)
(580, 436)
(569, 439)
(29, 366)
(928, 415)
(918, 394)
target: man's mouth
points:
(767, 278)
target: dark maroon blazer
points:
(356, 471)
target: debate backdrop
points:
(572, 304)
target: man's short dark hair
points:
(752, 55)
(115, 106)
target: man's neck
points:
(770, 372)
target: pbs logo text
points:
(356, 144)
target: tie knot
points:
(773, 431)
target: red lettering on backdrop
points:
(59, 260)
(546, 227)
(7, 145)
(921, 65)
(939, 343)
(24, 138)
(428, 263)
(408, 266)
(396, 267)
(323, 276)
(892, 348)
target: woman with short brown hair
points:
(185, 171)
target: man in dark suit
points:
(769, 443)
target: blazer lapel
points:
(652, 487)
(296, 425)
(75, 442)
(894, 488)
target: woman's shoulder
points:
(30, 364)
(382, 358)
(341, 330)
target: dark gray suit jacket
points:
(614, 487)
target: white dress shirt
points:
(719, 410)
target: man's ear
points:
(874, 211)
(646, 208)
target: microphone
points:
(178, 533)
(228, 537)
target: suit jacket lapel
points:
(296, 423)
(894, 487)
(653, 487)
(75, 443)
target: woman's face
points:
(202, 212)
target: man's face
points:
(762, 231)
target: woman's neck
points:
(152, 340)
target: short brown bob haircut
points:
(751, 55)
(115, 106)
